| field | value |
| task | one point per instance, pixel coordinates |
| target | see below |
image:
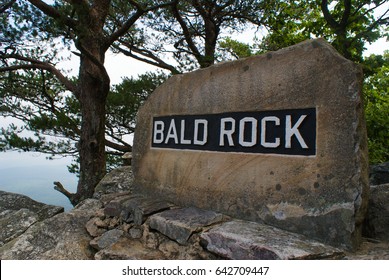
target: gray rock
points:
(139, 208)
(377, 221)
(114, 207)
(19, 212)
(136, 232)
(127, 158)
(243, 240)
(93, 228)
(379, 174)
(180, 224)
(135, 208)
(62, 236)
(117, 181)
(15, 223)
(128, 249)
(107, 239)
(13, 201)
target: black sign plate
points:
(286, 132)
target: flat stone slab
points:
(114, 207)
(138, 209)
(15, 223)
(61, 237)
(180, 224)
(132, 208)
(106, 239)
(243, 240)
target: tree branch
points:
(54, 13)
(118, 147)
(154, 60)
(36, 64)
(71, 196)
(186, 33)
(380, 20)
(124, 28)
(131, 21)
(327, 15)
(346, 13)
(5, 6)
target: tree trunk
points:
(92, 96)
(86, 28)
(211, 34)
(92, 91)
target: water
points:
(33, 175)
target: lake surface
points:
(33, 175)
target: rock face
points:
(377, 220)
(62, 236)
(117, 181)
(379, 174)
(19, 212)
(96, 229)
(14, 202)
(197, 135)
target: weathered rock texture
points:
(379, 174)
(62, 236)
(180, 224)
(243, 240)
(19, 212)
(192, 233)
(323, 196)
(377, 220)
(117, 181)
(96, 229)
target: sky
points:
(33, 175)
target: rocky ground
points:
(370, 250)
(117, 224)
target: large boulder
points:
(278, 138)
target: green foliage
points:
(288, 23)
(49, 125)
(376, 90)
(347, 24)
(125, 99)
(123, 103)
(51, 117)
(235, 49)
(188, 32)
